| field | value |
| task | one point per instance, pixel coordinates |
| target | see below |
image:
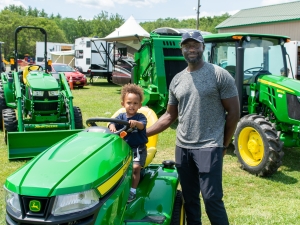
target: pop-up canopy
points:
(130, 34)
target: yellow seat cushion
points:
(152, 141)
(26, 71)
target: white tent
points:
(66, 57)
(130, 34)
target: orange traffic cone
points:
(71, 83)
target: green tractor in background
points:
(269, 102)
(36, 107)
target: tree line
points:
(66, 30)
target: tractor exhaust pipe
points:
(239, 78)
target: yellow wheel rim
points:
(250, 146)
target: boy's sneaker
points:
(131, 197)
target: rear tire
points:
(109, 78)
(9, 122)
(78, 118)
(2, 103)
(257, 145)
(178, 214)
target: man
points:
(199, 96)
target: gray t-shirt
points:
(201, 115)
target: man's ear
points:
(122, 103)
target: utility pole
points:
(198, 12)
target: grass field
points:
(249, 200)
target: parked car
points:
(121, 74)
(79, 79)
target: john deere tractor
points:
(269, 102)
(36, 107)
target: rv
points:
(293, 50)
(94, 57)
(51, 47)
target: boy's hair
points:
(132, 88)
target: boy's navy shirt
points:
(136, 137)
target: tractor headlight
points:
(298, 97)
(38, 93)
(70, 203)
(53, 93)
(12, 201)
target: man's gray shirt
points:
(201, 115)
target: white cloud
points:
(208, 14)
(4, 3)
(112, 3)
(273, 2)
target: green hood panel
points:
(286, 84)
(41, 81)
(72, 165)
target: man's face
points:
(192, 51)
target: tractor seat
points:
(152, 141)
(231, 70)
(26, 72)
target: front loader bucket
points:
(30, 144)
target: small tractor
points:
(36, 107)
(86, 178)
(269, 102)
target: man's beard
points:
(194, 60)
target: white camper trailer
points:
(51, 47)
(94, 57)
(293, 50)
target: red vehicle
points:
(79, 79)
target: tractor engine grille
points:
(293, 107)
(47, 106)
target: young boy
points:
(131, 100)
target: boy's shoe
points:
(131, 197)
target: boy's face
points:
(131, 103)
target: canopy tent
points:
(66, 57)
(129, 34)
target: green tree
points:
(103, 24)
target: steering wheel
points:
(91, 122)
(252, 68)
(40, 68)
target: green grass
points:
(249, 200)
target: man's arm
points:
(164, 121)
(232, 107)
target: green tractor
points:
(85, 179)
(268, 100)
(36, 107)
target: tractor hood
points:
(41, 81)
(79, 162)
(286, 84)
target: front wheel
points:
(78, 118)
(257, 145)
(9, 122)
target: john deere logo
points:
(34, 206)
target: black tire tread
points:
(9, 121)
(176, 214)
(77, 117)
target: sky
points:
(141, 10)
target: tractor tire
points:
(78, 118)
(2, 104)
(9, 122)
(178, 214)
(257, 145)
